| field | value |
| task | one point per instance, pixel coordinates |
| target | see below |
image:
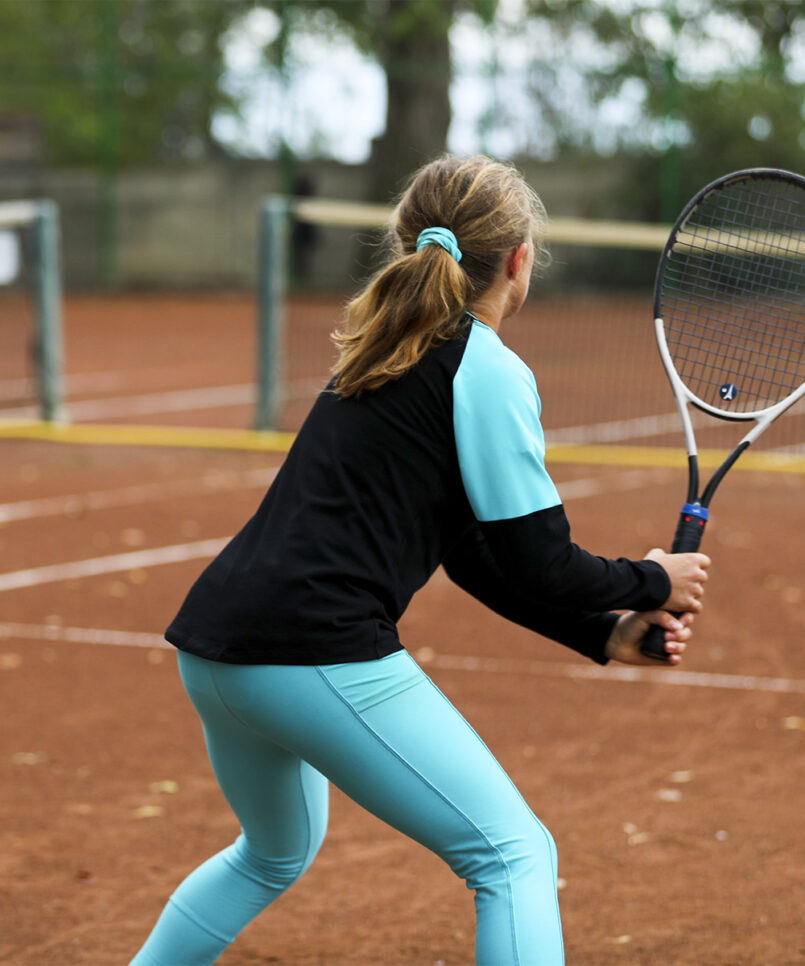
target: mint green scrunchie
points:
(439, 236)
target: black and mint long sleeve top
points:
(445, 465)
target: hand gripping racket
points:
(729, 308)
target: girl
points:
(425, 449)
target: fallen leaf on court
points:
(137, 576)
(794, 723)
(629, 828)
(792, 595)
(639, 838)
(80, 808)
(619, 940)
(561, 883)
(116, 588)
(28, 758)
(9, 662)
(133, 537)
(75, 509)
(733, 538)
(680, 777)
(669, 795)
(155, 656)
(149, 811)
(167, 787)
(721, 835)
(425, 655)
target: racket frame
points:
(694, 513)
(684, 397)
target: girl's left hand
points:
(624, 641)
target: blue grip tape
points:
(696, 510)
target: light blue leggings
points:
(386, 736)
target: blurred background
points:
(157, 130)
(158, 125)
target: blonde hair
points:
(420, 298)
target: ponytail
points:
(451, 231)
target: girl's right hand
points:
(687, 572)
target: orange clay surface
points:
(675, 800)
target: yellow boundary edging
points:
(665, 456)
(190, 437)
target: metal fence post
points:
(48, 297)
(272, 270)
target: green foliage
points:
(137, 81)
(410, 39)
(721, 84)
(115, 80)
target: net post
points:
(272, 268)
(48, 301)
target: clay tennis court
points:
(675, 797)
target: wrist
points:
(615, 639)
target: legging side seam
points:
(188, 914)
(516, 790)
(465, 818)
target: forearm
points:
(535, 554)
(472, 566)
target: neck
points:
(489, 310)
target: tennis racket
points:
(729, 308)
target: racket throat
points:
(693, 478)
(721, 472)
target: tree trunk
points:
(415, 53)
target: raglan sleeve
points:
(501, 454)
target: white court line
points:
(81, 635)
(796, 449)
(185, 400)
(78, 382)
(174, 401)
(616, 430)
(631, 675)
(218, 481)
(214, 481)
(179, 553)
(619, 430)
(610, 483)
(171, 401)
(95, 566)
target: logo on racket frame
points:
(728, 391)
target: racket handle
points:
(687, 539)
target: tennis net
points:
(586, 330)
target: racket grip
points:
(687, 539)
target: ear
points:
(515, 260)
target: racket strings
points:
(733, 295)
